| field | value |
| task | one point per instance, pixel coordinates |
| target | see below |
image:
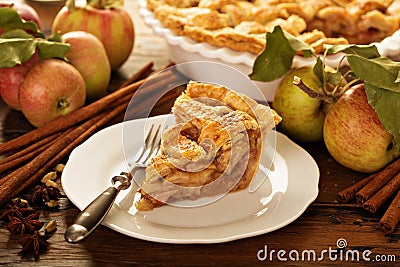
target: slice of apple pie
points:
(214, 147)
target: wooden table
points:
(324, 222)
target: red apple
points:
(114, 28)
(354, 135)
(51, 89)
(88, 55)
(11, 78)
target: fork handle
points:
(89, 218)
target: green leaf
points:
(366, 51)
(16, 51)
(57, 37)
(11, 20)
(297, 44)
(49, 49)
(326, 76)
(21, 39)
(380, 72)
(277, 57)
(318, 71)
(387, 106)
(333, 77)
(17, 33)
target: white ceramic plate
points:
(291, 186)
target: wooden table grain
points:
(318, 229)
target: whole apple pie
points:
(214, 147)
(241, 25)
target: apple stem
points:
(62, 104)
(328, 97)
(348, 86)
(312, 93)
(70, 4)
(339, 90)
(104, 4)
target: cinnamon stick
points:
(155, 90)
(17, 177)
(24, 155)
(98, 125)
(145, 71)
(166, 102)
(16, 181)
(391, 217)
(378, 182)
(12, 164)
(349, 193)
(379, 198)
(29, 149)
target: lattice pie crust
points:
(241, 25)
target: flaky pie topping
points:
(241, 25)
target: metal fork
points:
(91, 217)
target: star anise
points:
(16, 208)
(24, 225)
(34, 243)
(43, 194)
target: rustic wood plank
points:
(318, 229)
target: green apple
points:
(88, 55)
(354, 135)
(302, 116)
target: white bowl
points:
(184, 49)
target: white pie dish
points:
(184, 49)
(290, 188)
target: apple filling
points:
(214, 148)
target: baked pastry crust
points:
(217, 132)
(241, 25)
